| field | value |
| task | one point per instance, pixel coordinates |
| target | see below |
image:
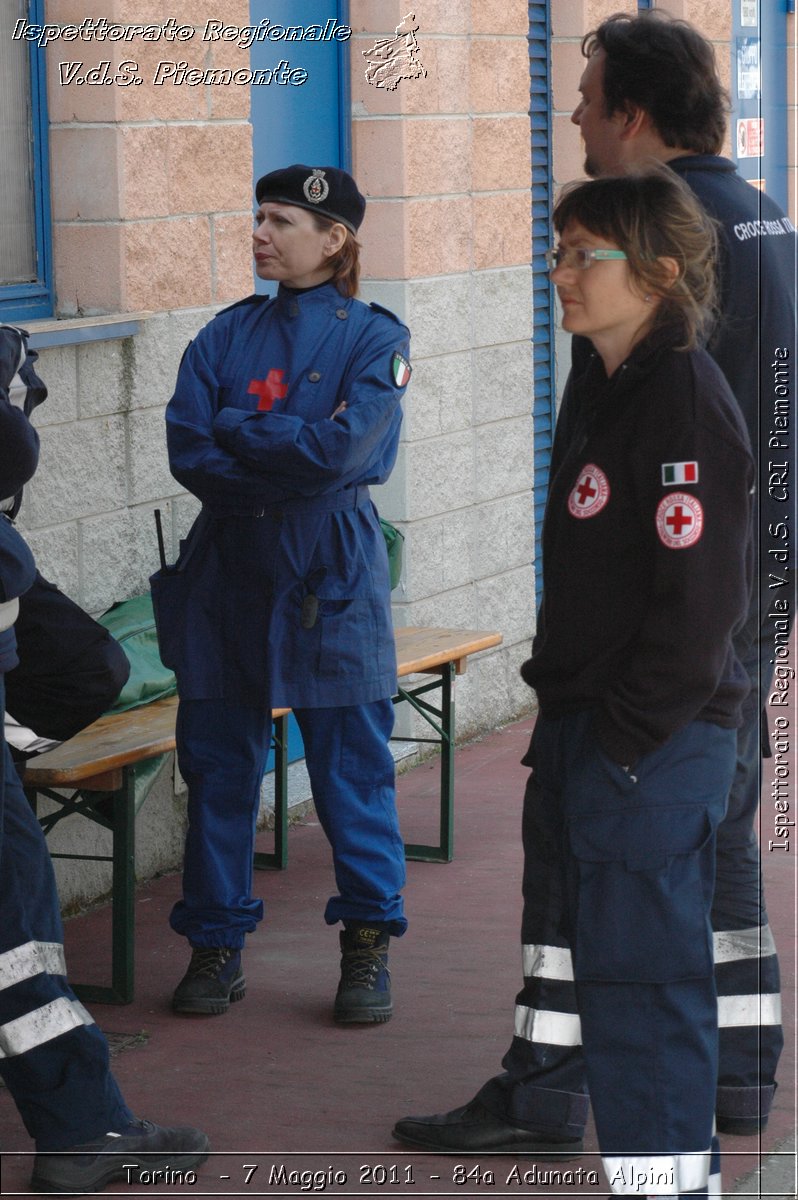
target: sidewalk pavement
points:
(282, 1090)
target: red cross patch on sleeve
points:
(680, 520)
(590, 493)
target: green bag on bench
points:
(132, 623)
(394, 541)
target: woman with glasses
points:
(647, 570)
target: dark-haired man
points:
(650, 91)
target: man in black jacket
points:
(53, 1058)
(650, 91)
(70, 670)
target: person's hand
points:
(341, 408)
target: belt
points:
(351, 497)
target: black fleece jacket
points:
(646, 550)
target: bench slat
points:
(421, 648)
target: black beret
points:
(326, 190)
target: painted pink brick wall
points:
(445, 160)
(151, 185)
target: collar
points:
(701, 162)
(665, 337)
(325, 297)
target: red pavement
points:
(280, 1089)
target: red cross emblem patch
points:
(268, 390)
(680, 520)
(591, 493)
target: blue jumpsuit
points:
(281, 594)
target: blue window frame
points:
(31, 297)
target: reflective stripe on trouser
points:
(222, 751)
(747, 972)
(621, 870)
(666, 1176)
(749, 1018)
(53, 1058)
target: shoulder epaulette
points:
(386, 312)
(255, 298)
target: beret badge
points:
(316, 187)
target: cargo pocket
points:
(640, 890)
(348, 632)
(341, 643)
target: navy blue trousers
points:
(222, 751)
(53, 1058)
(619, 994)
(746, 964)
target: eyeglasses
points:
(578, 257)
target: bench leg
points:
(119, 817)
(446, 847)
(123, 931)
(278, 859)
(124, 873)
(444, 851)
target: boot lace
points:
(209, 960)
(361, 968)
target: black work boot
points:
(364, 993)
(141, 1147)
(214, 980)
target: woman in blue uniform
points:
(286, 409)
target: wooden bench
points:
(98, 764)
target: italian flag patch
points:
(400, 369)
(684, 472)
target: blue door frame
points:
(308, 122)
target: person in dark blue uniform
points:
(647, 568)
(70, 669)
(53, 1058)
(650, 90)
(286, 409)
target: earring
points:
(648, 299)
